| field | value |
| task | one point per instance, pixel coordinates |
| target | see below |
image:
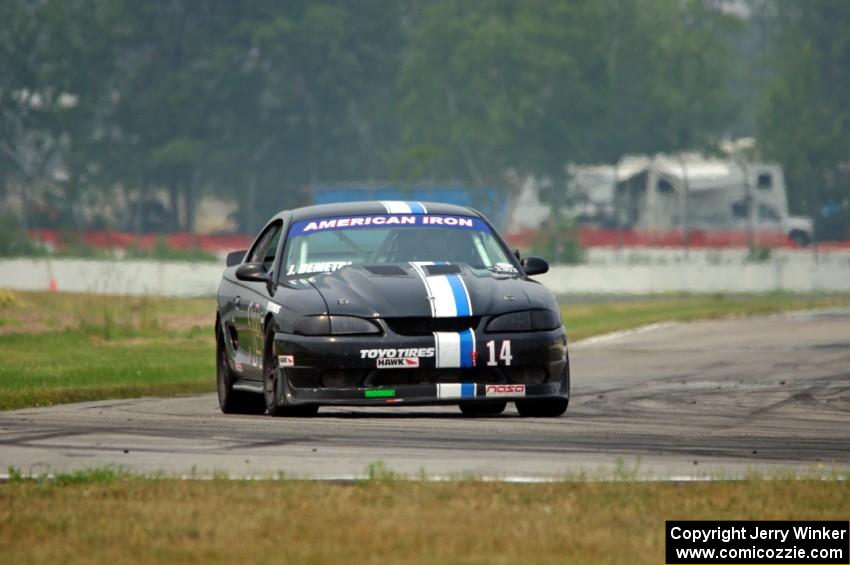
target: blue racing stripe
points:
(467, 390)
(467, 346)
(459, 292)
(416, 207)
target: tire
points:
(274, 384)
(548, 407)
(542, 408)
(232, 401)
(475, 409)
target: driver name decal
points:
(320, 267)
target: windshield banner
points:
(306, 227)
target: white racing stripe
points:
(456, 390)
(395, 207)
(446, 300)
(443, 303)
(454, 349)
(428, 293)
(447, 349)
(401, 207)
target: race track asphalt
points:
(706, 399)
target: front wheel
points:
(274, 385)
(229, 400)
(542, 407)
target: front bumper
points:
(339, 370)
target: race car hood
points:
(405, 290)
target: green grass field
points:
(97, 517)
(60, 348)
(55, 368)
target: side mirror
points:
(252, 272)
(235, 257)
(534, 265)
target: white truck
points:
(673, 192)
(707, 194)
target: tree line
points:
(258, 99)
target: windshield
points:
(328, 244)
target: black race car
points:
(387, 303)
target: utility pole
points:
(751, 204)
(617, 206)
(686, 194)
(651, 201)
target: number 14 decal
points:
(504, 353)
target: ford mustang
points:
(390, 304)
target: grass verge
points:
(54, 368)
(108, 517)
(588, 319)
(59, 348)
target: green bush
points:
(557, 242)
(75, 247)
(758, 254)
(161, 251)
(13, 241)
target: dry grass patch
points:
(134, 520)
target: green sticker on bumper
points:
(380, 393)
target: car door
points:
(252, 302)
(227, 309)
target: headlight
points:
(335, 325)
(513, 322)
(545, 320)
(313, 325)
(344, 325)
(525, 321)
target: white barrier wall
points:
(643, 279)
(641, 271)
(793, 273)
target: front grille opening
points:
(303, 377)
(342, 379)
(529, 375)
(427, 326)
(353, 378)
(398, 377)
